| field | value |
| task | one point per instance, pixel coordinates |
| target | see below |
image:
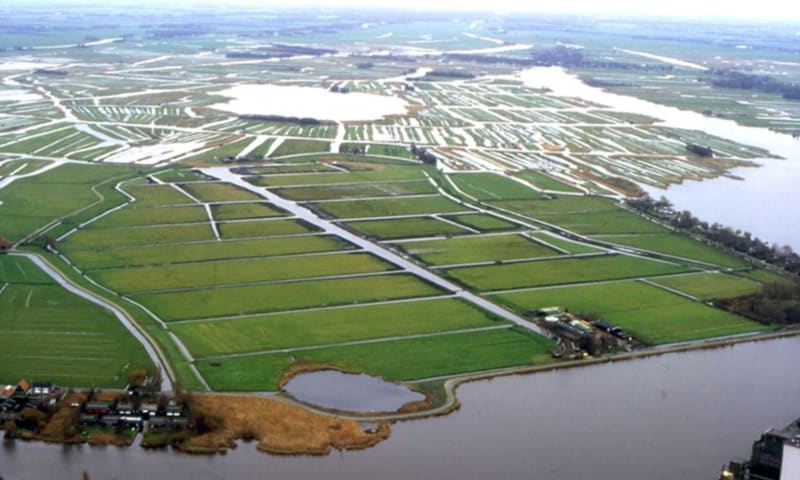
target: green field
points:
(390, 207)
(210, 274)
(677, 245)
(399, 360)
(219, 192)
(471, 249)
(572, 247)
(390, 151)
(282, 168)
(383, 175)
(357, 190)
(544, 182)
(293, 147)
(313, 328)
(89, 258)
(241, 211)
(31, 203)
(220, 302)
(117, 237)
(650, 314)
(493, 186)
(21, 167)
(263, 228)
(584, 215)
(50, 334)
(763, 276)
(156, 195)
(562, 271)
(710, 286)
(405, 228)
(19, 270)
(482, 222)
(217, 154)
(180, 175)
(131, 217)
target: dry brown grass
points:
(63, 425)
(279, 427)
(552, 148)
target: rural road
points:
(148, 343)
(305, 214)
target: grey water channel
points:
(668, 417)
(763, 203)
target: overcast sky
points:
(760, 9)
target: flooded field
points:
(752, 204)
(307, 102)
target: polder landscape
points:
(214, 212)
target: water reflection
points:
(350, 392)
(679, 415)
(763, 204)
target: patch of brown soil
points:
(552, 148)
(62, 426)
(278, 427)
(302, 366)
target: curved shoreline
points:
(452, 402)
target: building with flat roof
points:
(775, 456)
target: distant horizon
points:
(712, 10)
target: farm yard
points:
(651, 314)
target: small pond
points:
(350, 392)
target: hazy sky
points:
(779, 9)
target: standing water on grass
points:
(350, 392)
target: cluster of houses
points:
(131, 413)
(127, 411)
(14, 398)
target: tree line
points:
(743, 242)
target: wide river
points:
(763, 204)
(675, 416)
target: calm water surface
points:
(350, 392)
(676, 416)
(764, 203)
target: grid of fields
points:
(472, 248)
(230, 274)
(584, 215)
(50, 333)
(653, 315)
(519, 205)
(710, 286)
(31, 203)
(397, 360)
(561, 271)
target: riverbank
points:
(450, 401)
